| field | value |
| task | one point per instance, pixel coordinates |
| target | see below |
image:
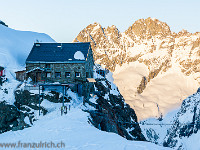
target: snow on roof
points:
(20, 71)
(37, 68)
(79, 55)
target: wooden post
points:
(63, 96)
(35, 77)
(62, 108)
(39, 100)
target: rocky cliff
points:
(110, 112)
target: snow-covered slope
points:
(14, 49)
(105, 110)
(16, 45)
(152, 66)
(74, 131)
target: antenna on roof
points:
(37, 41)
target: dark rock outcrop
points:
(56, 97)
(2, 80)
(26, 105)
(111, 113)
(3, 23)
(11, 118)
(26, 101)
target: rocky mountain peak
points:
(112, 28)
(146, 28)
(102, 40)
(87, 33)
(183, 33)
(94, 32)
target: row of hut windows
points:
(67, 74)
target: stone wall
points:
(62, 68)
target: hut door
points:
(38, 76)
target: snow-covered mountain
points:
(15, 46)
(153, 67)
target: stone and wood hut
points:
(66, 63)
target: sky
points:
(64, 19)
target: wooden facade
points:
(21, 75)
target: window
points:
(48, 74)
(87, 74)
(57, 74)
(77, 74)
(67, 74)
(47, 65)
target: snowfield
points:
(162, 94)
(74, 131)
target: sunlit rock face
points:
(153, 67)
